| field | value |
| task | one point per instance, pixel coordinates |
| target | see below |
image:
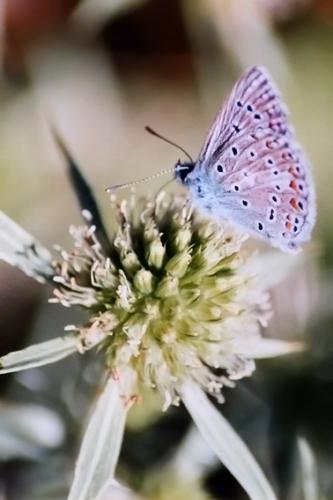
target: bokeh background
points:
(100, 70)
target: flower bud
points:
(155, 254)
(178, 264)
(144, 281)
(167, 287)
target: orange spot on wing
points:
(295, 171)
(293, 203)
(293, 185)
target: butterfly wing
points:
(253, 169)
(253, 86)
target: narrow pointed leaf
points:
(83, 192)
(101, 445)
(193, 459)
(270, 348)
(273, 267)
(226, 443)
(39, 354)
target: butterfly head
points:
(182, 169)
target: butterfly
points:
(250, 169)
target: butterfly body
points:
(251, 170)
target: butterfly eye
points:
(219, 168)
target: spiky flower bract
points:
(170, 299)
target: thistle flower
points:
(170, 300)
(172, 306)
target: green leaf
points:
(101, 444)
(39, 354)
(226, 443)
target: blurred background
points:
(100, 70)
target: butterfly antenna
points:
(156, 134)
(158, 174)
(139, 181)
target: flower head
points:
(170, 299)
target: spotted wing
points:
(251, 153)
